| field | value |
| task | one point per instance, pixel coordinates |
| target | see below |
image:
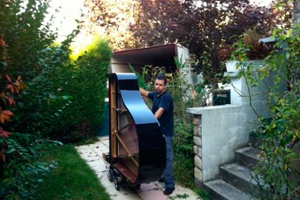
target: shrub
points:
(18, 180)
(279, 135)
(45, 98)
(17, 151)
(24, 30)
(68, 96)
(31, 55)
(184, 95)
(44, 107)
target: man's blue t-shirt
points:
(166, 120)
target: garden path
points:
(92, 154)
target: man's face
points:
(159, 86)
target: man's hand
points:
(143, 92)
(159, 113)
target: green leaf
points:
(52, 96)
(287, 55)
(67, 97)
(3, 63)
(11, 150)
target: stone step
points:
(247, 157)
(240, 177)
(221, 190)
(255, 140)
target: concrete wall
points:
(220, 130)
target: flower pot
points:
(234, 65)
(231, 66)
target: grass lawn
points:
(70, 179)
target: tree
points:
(114, 17)
(201, 26)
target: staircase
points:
(235, 181)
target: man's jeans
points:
(168, 172)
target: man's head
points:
(160, 84)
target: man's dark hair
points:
(162, 77)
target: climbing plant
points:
(18, 151)
(278, 173)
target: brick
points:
(197, 140)
(198, 162)
(198, 174)
(196, 121)
(196, 149)
(200, 152)
(196, 131)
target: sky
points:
(72, 9)
(69, 10)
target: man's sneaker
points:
(161, 180)
(169, 191)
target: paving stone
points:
(99, 147)
(152, 195)
(147, 187)
(185, 193)
(128, 196)
(104, 140)
(92, 154)
(160, 185)
(83, 148)
(98, 166)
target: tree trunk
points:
(296, 20)
(296, 12)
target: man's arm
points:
(143, 92)
(159, 113)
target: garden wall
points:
(219, 130)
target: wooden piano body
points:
(137, 150)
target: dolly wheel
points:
(134, 187)
(110, 175)
(117, 184)
(137, 186)
(123, 183)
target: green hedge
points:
(88, 87)
(66, 100)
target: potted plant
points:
(247, 50)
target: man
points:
(163, 111)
